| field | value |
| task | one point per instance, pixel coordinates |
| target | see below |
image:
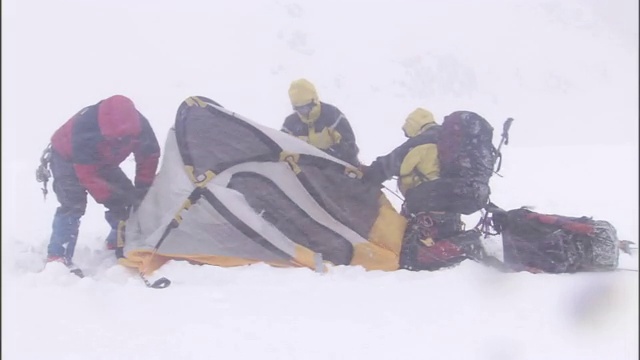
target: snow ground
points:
(566, 71)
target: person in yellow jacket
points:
(320, 124)
(413, 163)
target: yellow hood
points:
(302, 92)
(416, 121)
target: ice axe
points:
(503, 141)
(158, 284)
(162, 283)
(43, 174)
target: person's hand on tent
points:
(139, 193)
(373, 174)
(115, 213)
(332, 151)
(119, 200)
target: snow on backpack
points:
(556, 243)
(467, 158)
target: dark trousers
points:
(72, 197)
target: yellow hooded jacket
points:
(320, 124)
(416, 160)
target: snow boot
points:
(75, 270)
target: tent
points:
(232, 192)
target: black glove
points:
(116, 214)
(127, 197)
(139, 193)
(122, 195)
(331, 151)
(374, 174)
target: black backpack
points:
(467, 158)
(555, 243)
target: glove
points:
(139, 193)
(121, 196)
(373, 174)
(331, 151)
(119, 209)
(115, 214)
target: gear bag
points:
(555, 243)
(422, 249)
(467, 156)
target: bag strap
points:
(492, 221)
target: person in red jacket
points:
(86, 153)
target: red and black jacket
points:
(99, 137)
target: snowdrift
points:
(231, 192)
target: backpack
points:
(467, 157)
(465, 147)
(556, 243)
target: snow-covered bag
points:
(556, 243)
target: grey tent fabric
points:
(268, 196)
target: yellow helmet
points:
(416, 120)
(304, 100)
(302, 92)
